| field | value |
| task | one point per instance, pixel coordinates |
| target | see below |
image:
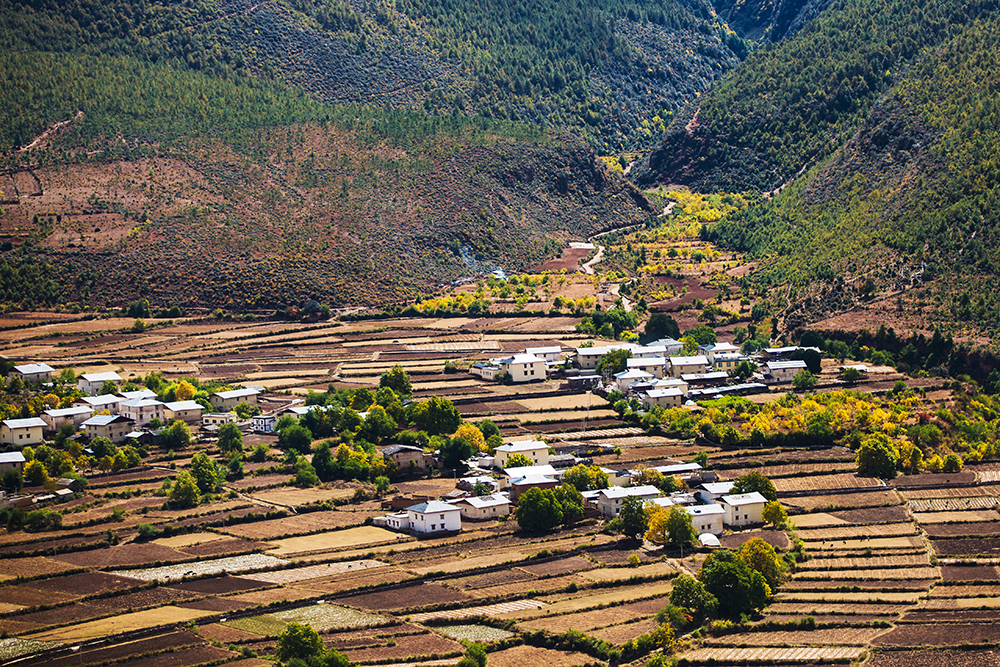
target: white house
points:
(35, 372)
(109, 402)
(113, 427)
(536, 450)
(76, 415)
(776, 372)
(587, 358)
(671, 346)
(138, 393)
(687, 365)
(434, 516)
(486, 370)
(656, 366)
(523, 367)
(743, 509)
(224, 401)
(11, 461)
(263, 423)
(218, 418)
(710, 492)
(711, 351)
(626, 379)
(481, 508)
(727, 362)
(142, 410)
(22, 432)
(552, 353)
(671, 397)
(609, 500)
(707, 518)
(91, 383)
(186, 411)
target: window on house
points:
(442, 517)
(433, 526)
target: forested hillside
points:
(610, 70)
(792, 104)
(909, 205)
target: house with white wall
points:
(778, 372)
(109, 402)
(11, 461)
(433, 516)
(670, 397)
(73, 416)
(707, 518)
(91, 383)
(142, 410)
(34, 372)
(655, 366)
(609, 500)
(523, 368)
(551, 353)
(688, 365)
(625, 379)
(188, 412)
(22, 432)
(113, 427)
(483, 508)
(743, 509)
(224, 401)
(536, 450)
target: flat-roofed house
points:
(408, 457)
(710, 492)
(609, 500)
(11, 461)
(715, 349)
(137, 393)
(91, 383)
(188, 412)
(743, 509)
(34, 372)
(74, 416)
(777, 372)
(668, 397)
(22, 432)
(688, 365)
(707, 518)
(218, 418)
(113, 427)
(656, 366)
(536, 450)
(109, 402)
(434, 516)
(482, 508)
(523, 368)
(224, 401)
(142, 410)
(625, 379)
(551, 353)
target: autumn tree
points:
(472, 435)
(586, 478)
(877, 457)
(397, 379)
(761, 557)
(774, 513)
(755, 481)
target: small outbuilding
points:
(482, 508)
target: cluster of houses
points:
(659, 374)
(119, 416)
(712, 505)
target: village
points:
(516, 490)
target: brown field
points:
(975, 516)
(958, 504)
(952, 591)
(814, 482)
(962, 529)
(775, 538)
(337, 539)
(870, 562)
(905, 542)
(841, 501)
(520, 656)
(405, 597)
(969, 572)
(774, 655)
(835, 608)
(903, 572)
(182, 658)
(943, 635)
(297, 524)
(294, 497)
(32, 567)
(98, 655)
(120, 623)
(816, 637)
(858, 532)
(931, 658)
(561, 566)
(875, 515)
(126, 555)
(984, 546)
(408, 646)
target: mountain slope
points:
(610, 70)
(909, 203)
(792, 104)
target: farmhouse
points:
(536, 450)
(714, 350)
(776, 372)
(91, 383)
(625, 379)
(726, 362)
(142, 410)
(138, 393)
(218, 418)
(22, 432)
(432, 516)
(743, 509)
(710, 379)
(108, 402)
(263, 423)
(656, 366)
(34, 372)
(113, 427)
(74, 416)
(712, 491)
(408, 457)
(707, 518)
(688, 365)
(11, 461)
(523, 368)
(609, 500)
(583, 381)
(520, 484)
(481, 508)
(553, 353)
(224, 401)
(186, 411)
(587, 358)
(671, 346)
(670, 397)
(486, 370)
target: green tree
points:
(377, 425)
(298, 641)
(305, 474)
(761, 557)
(702, 335)
(586, 478)
(204, 472)
(877, 457)
(475, 656)
(12, 481)
(952, 463)
(177, 435)
(615, 361)
(436, 415)
(538, 510)
(570, 501)
(36, 474)
(327, 468)
(456, 450)
(851, 375)
(488, 428)
(661, 325)
(109, 387)
(397, 379)
(382, 485)
(184, 490)
(632, 517)
(755, 481)
(775, 514)
(679, 527)
(230, 439)
(295, 437)
(739, 589)
(691, 594)
(804, 380)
